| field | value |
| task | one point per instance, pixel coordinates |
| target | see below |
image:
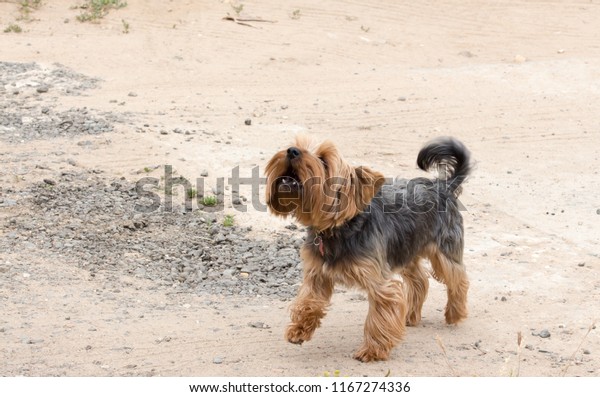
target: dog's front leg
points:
(313, 298)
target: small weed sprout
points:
(191, 193)
(237, 8)
(13, 27)
(228, 221)
(27, 6)
(209, 201)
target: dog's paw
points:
(297, 334)
(455, 314)
(369, 353)
(413, 319)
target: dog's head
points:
(311, 182)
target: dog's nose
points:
(293, 152)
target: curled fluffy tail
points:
(450, 153)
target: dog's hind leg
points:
(416, 281)
(453, 274)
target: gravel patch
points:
(18, 78)
(90, 221)
(29, 94)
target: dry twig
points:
(441, 345)
(243, 20)
(572, 358)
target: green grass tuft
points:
(209, 201)
(13, 27)
(27, 6)
(228, 221)
(191, 193)
(97, 9)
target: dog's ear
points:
(367, 184)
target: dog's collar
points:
(320, 235)
(318, 241)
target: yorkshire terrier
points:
(362, 231)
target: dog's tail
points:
(452, 158)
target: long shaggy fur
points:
(362, 231)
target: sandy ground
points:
(517, 82)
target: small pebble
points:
(544, 333)
(258, 324)
(520, 59)
(248, 121)
(467, 54)
(218, 360)
(6, 202)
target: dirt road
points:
(89, 286)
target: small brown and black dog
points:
(361, 231)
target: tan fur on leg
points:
(416, 285)
(454, 275)
(385, 323)
(313, 298)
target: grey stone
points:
(544, 333)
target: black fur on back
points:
(404, 217)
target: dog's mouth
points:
(287, 184)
